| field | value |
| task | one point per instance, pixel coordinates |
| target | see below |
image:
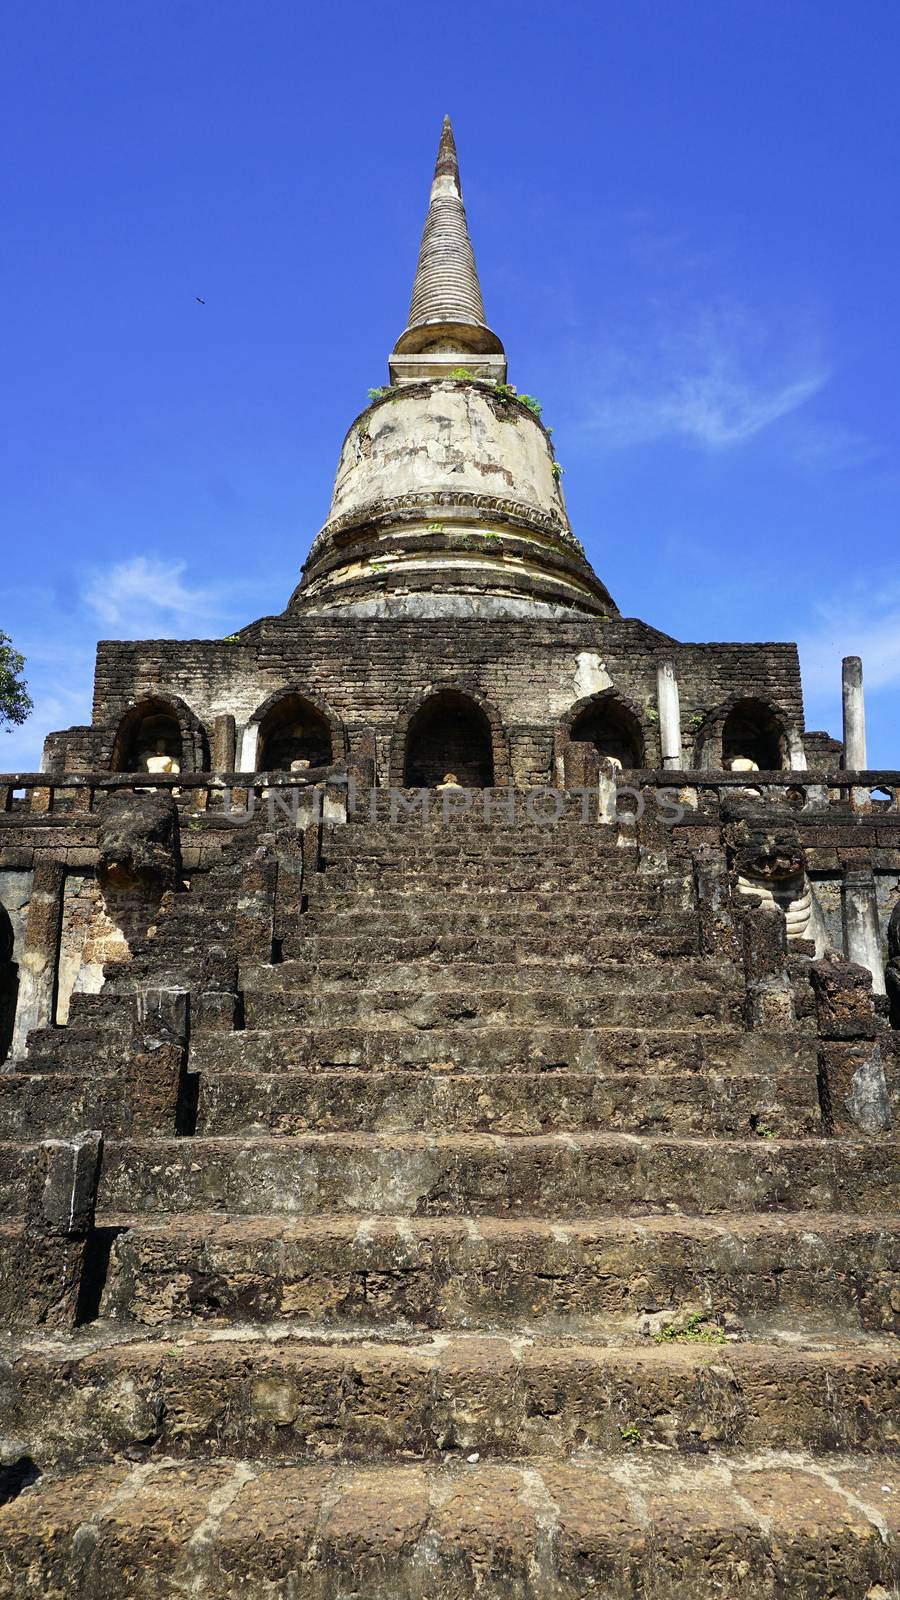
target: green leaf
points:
(15, 701)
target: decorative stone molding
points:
(382, 513)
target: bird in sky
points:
(199, 301)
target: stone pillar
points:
(796, 753)
(669, 716)
(37, 968)
(862, 935)
(855, 759)
(223, 747)
(312, 853)
(718, 930)
(607, 791)
(362, 767)
(217, 1008)
(892, 971)
(249, 745)
(365, 745)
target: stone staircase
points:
(502, 1256)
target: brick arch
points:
(264, 719)
(773, 726)
(194, 752)
(631, 715)
(463, 695)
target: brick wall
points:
(371, 671)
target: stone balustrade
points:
(871, 792)
(41, 792)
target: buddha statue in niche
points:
(159, 759)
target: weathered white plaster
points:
(249, 744)
(448, 436)
(862, 933)
(590, 674)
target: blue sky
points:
(686, 218)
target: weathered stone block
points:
(764, 943)
(844, 1002)
(255, 911)
(138, 842)
(62, 1191)
(50, 1256)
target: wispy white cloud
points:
(139, 597)
(867, 624)
(821, 446)
(717, 377)
(862, 623)
(717, 407)
(148, 597)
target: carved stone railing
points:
(43, 793)
(874, 791)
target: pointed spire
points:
(446, 287)
(447, 312)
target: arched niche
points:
(291, 729)
(749, 728)
(752, 731)
(450, 731)
(610, 725)
(160, 727)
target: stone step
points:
(753, 1524)
(408, 918)
(578, 948)
(607, 1005)
(494, 810)
(575, 976)
(37, 1105)
(761, 1274)
(510, 852)
(446, 1396)
(102, 1022)
(491, 1102)
(482, 881)
(489, 855)
(190, 913)
(383, 840)
(98, 1011)
(46, 1044)
(568, 905)
(513, 850)
(557, 1175)
(656, 1050)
